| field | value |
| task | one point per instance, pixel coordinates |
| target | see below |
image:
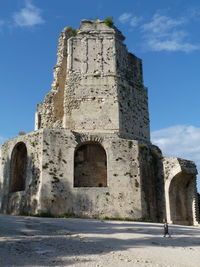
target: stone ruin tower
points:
(90, 154)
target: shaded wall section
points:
(180, 199)
(152, 182)
(90, 166)
(18, 168)
(180, 191)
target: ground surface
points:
(30, 241)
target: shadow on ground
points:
(46, 240)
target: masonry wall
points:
(180, 191)
(132, 187)
(98, 85)
(120, 198)
(50, 112)
(152, 182)
(91, 153)
(27, 200)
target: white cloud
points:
(179, 141)
(125, 17)
(130, 18)
(161, 25)
(171, 45)
(162, 33)
(30, 15)
(134, 22)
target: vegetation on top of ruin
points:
(71, 31)
(156, 152)
(141, 145)
(21, 133)
(109, 21)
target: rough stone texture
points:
(180, 191)
(55, 182)
(27, 200)
(90, 166)
(198, 207)
(90, 154)
(151, 173)
(98, 85)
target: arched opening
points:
(90, 166)
(18, 168)
(180, 199)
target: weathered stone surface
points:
(98, 85)
(90, 153)
(180, 191)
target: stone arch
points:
(90, 165)
(18, 167)
(181, 199)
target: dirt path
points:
(30, 241)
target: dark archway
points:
(18, 168)
(90, 166)
(181, 200)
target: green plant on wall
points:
(130, 144)
(21, 133)
(72, 31)
(142, 146)
(156, 152)
(109, 21)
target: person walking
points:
(166, 229)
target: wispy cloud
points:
(162, 33)
(125, 17)
(193, 13)
(179, 141)
(130, 18)
(2, 22)
(28, 16)
(171, 45)
(135, 21)
(161, 25)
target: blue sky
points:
(165, 34)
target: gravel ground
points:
(31, 241)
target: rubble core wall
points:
(50, 112)
(180, 191)
(119, 198)
(97, 86)
(152, 182)
(21, 200)
(90, 154)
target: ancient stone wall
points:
(50, 176)
(152, 179)
(90, 165)
(198, 207)
(98, 85)
(21, 152)
(132, 95)
(120, 197)
(50, 112)
(180, 191)
(92, 154)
